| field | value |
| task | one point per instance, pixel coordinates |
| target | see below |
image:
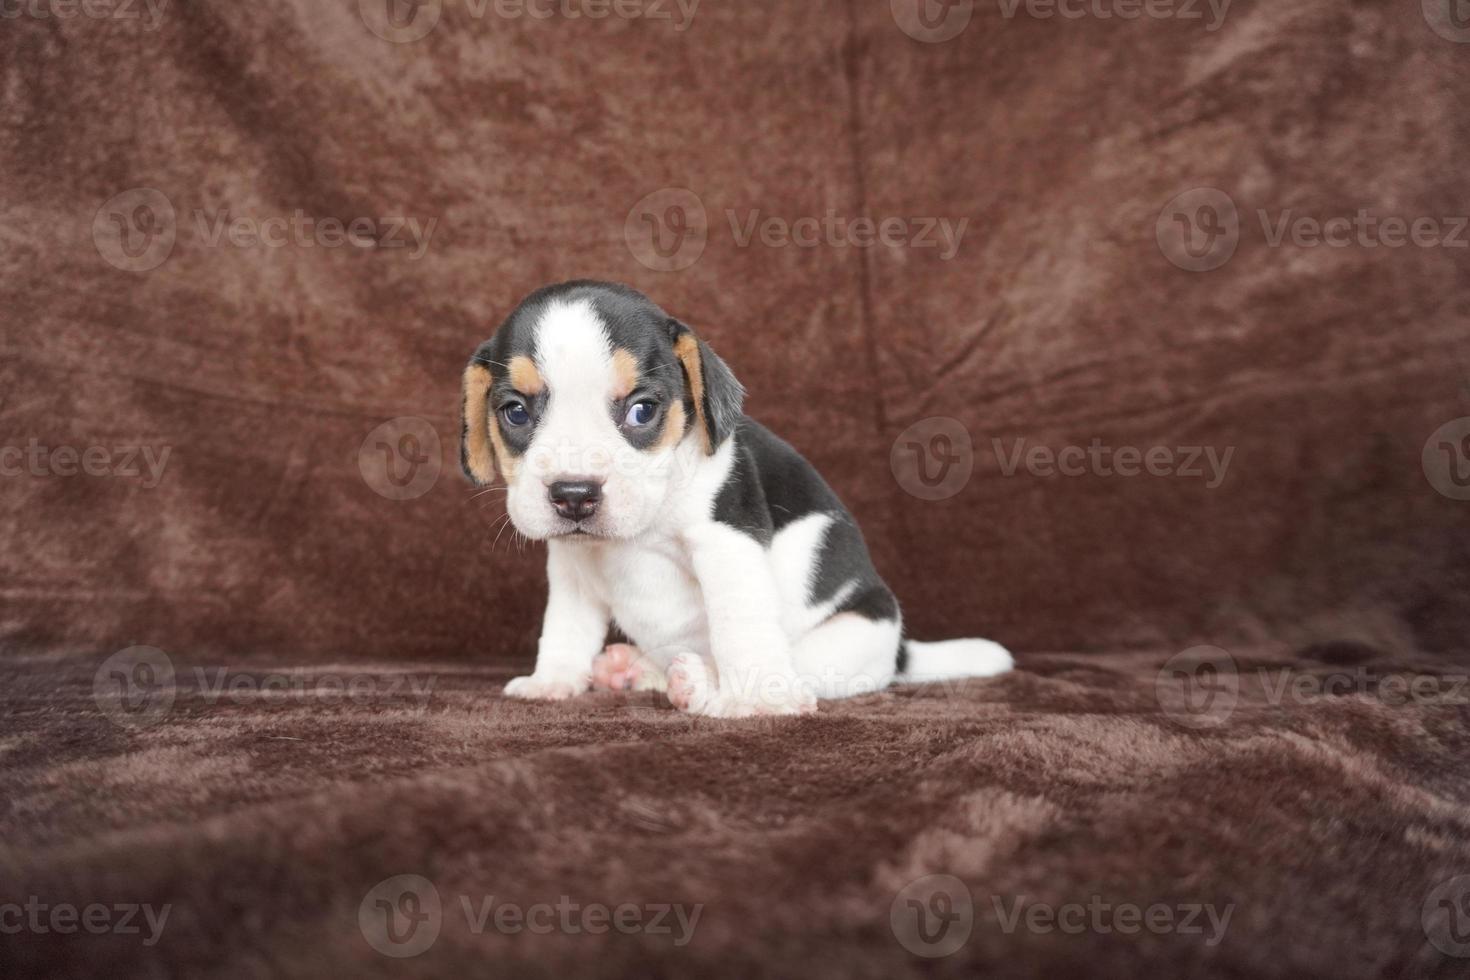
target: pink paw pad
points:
(689, 683)
(617, 668)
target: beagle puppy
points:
(716, 548)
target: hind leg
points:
(848, 655)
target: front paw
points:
(548, 687)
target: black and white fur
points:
(744, 583)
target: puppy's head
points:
(591, 402)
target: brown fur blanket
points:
(1096, 818)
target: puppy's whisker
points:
(505, 523)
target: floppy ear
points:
(476, 450)
(717, 395)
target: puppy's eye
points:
(640, 414)
(515, 415)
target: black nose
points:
(576, 499)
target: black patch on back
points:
(770, 486)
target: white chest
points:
(653, 595)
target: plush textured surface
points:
(529, 142)
(1321, 822)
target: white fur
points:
(950, 659)
(848, 655)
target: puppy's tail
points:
(922, 662)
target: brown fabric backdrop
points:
(529, 142)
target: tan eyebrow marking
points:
(674, 428)
(524, 377)
(625, 373)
